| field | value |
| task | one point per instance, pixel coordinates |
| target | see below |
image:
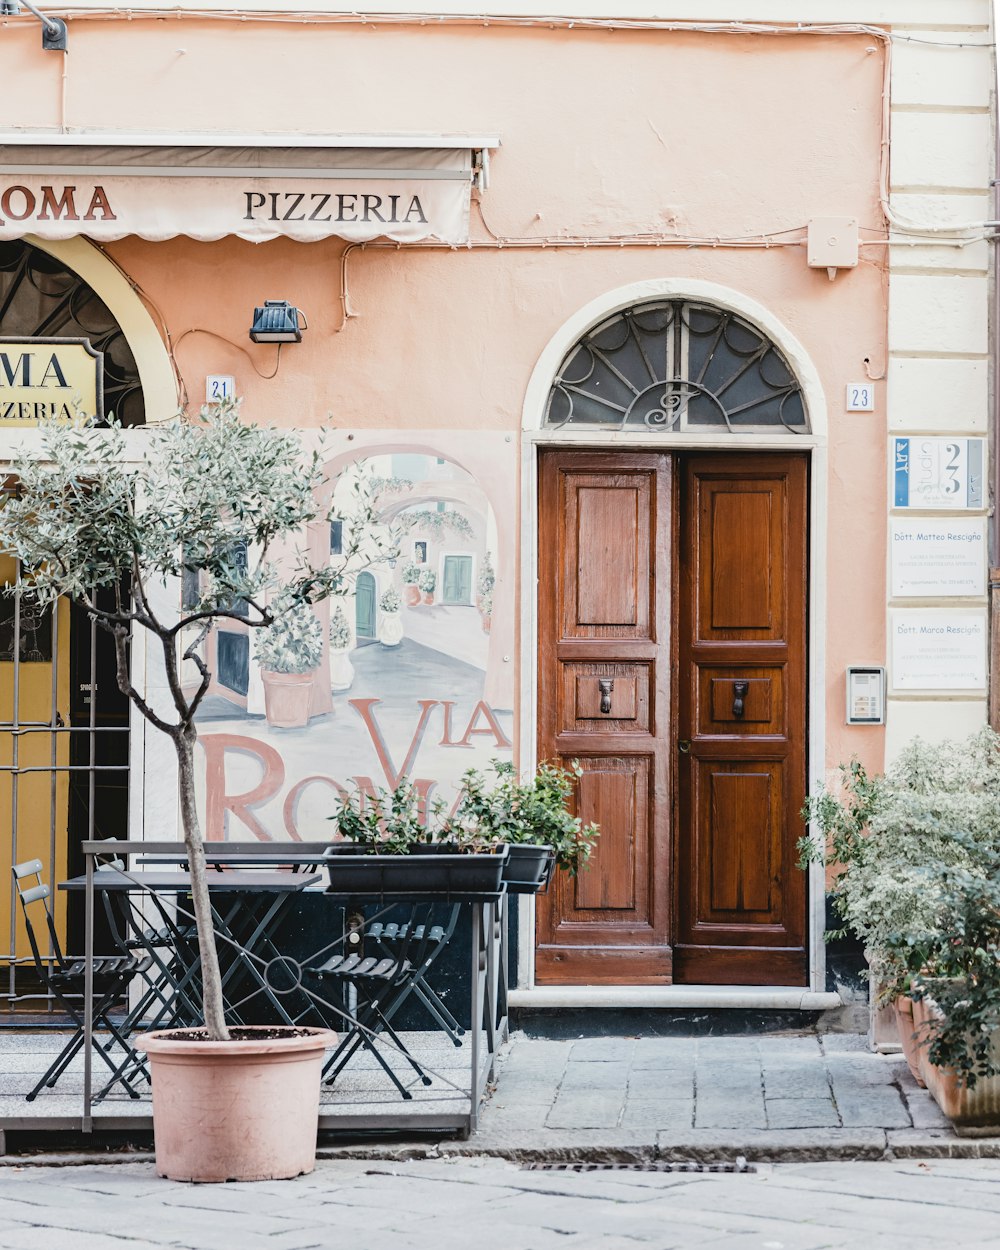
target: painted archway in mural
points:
(429, 705)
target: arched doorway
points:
(42, 298)
(672, 656)
(64, 724)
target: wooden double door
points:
(672, 664)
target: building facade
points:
(666, 339)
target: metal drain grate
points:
(660, 1165)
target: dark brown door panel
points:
(741, 719)
(603, 612)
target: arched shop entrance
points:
(64, 724)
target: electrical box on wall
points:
(865, 695)
(832, 244)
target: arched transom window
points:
(674, 366)
(40, 297)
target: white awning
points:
(257, 187)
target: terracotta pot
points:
(974, 1112)
(236, 1111)
(428, 596)
(908, 1039)
(286, 698)
(487, 622)
(412, 595)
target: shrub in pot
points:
(896, 840)
(531, 817)
(289, 651)
(107, 517)
(397, 840)
(529, 821)
(954, 970)
(341, 668)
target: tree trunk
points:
(211, 977)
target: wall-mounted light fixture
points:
(278, 322)
(53, 28)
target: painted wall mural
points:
(409, 671)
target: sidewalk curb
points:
(873, 1146)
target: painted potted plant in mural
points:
(486, 582)
(912, 852)
(113, 519)
(390, 628)
(289, 651)
(341, 668)
(427, 583)
(486, 610)
(411, 578)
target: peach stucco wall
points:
(604, 133)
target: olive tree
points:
(115, 519)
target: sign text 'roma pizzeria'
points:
(108, 191)
(49, 379)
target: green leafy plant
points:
(111, 517)
(427, 581)
(388, 822)
(293, 642)
(955, 963)
(389, 600)
(492, 811)
(486, 603)
(340, 630)
(498, 809)
(411, 573)
(894, 839)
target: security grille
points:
(64, 748)
(675, 367)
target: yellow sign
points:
(46, 379)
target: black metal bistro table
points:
(251, 866)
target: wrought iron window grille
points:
(675, 366)
(41, 298)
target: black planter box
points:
(529, 868)
(424, 872)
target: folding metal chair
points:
(388, 939)
(383, 982)
(64, 976)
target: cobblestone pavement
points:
(767, 1097)
(482, 1204)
